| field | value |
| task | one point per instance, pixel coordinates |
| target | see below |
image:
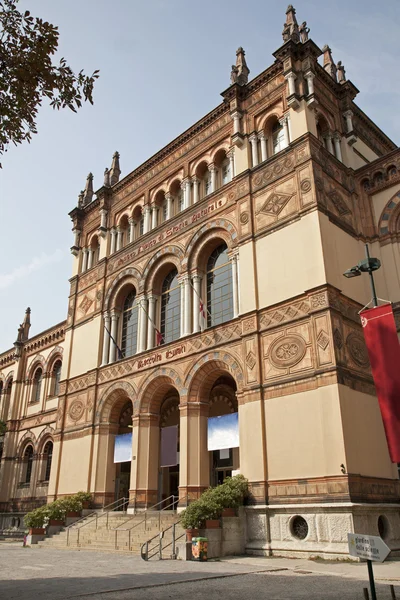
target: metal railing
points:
(171, 502)
(147, 551)
(116, 504)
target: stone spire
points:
(88, 192)
(240, 71)
(23, 333)
(329, 65)
(26, 324)
(106, 178)
(115, 171)
(291, 28)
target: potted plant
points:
(85, 498)
(231, 494)
(56, 513)
(72, 506)
(192, 518)
(35, 521)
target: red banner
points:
(384, 355)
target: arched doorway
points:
(168, 484)
(123, 468)
(224, 461)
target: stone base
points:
(271, 530)
(33, 539)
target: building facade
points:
(206, 282)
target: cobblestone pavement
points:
(46, 574)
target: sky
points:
(163, 65)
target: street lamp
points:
(367, 265)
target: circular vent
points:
(299, 528)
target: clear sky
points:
(163, 65)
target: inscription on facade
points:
(158, 356)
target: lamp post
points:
(367, 265)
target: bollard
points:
(366, 595)
(392, 594)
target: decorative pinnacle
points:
(115, 170)
(240, 71)
(88, 192)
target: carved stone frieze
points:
(275, 170)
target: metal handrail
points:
(96, 517)
(144, 551)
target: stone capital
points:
(253, 137)
(212, 167)
(261, 135)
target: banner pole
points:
(371, 277)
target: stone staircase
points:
(118, 532)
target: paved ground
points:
(46, 574)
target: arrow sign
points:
(370, 547)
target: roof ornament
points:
(329, 65)
(291, 28)
(88, 192)
(115, 171)
(341, 72)
(106, 177)
(304, 31)
(23, 333)
(240, 71)
(80, 199)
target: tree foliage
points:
(28, 74)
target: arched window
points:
(226, 172)
(164, 210)
(95, 250)
(278, 138)
(219, 287)
(141, 225)
(180, 200)
(170, 308)
(28, 460)
(129, 325)
(48, 457)
(37, 385)
(55, 378)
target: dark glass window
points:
(171, 308)
(48, 454)
(56, 378)
(219, 287)
(37, 385)
(28, 459)
(129, 325)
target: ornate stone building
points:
(208, 281)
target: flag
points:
(384, 354)
(159, 337)
(202, 319)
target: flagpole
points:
(120, 353)
(199, 297)
(150, 319)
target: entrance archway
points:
(123, 469)
(168, 484)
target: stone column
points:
(181, 283)
(187, 193)
(146, 223)
(284, 123)
(329, 145)
(114, 331)
(310, 82)
(196, 302)
(194, 468)
(338, 150)
(132, 224)
(231, 156)
(290, 77)
(106, 339)
(113, 234)
(103, 218)
(77, 233)
(154, 214)
(213, 170)
(348, 115)
(236, 116)
(170, 200)
(235, 284)
(143, 324)
(119, 238)
(151, 322)
(139, 326)
(187, 311)
(90, 258)
(263, 144)
(85, 252)
(254, 149)
(196, 184)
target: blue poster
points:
(223, 432)
(123, 448)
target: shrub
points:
(83, 496)
(36, 518)
(56, 510)
(211, 503)
(71, 504)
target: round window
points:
(383, 527)
(299, 528)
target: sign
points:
(123, 448)
(384, 355)
(369, 547)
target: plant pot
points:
(213, 524)
(73, 513)
(56, 522)
(191, 533)
(86, 504)
(36, 531)
(229, 512)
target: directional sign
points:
(370, 547)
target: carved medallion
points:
(244, 218)
(357, 349)
(287, 351)
(305, 185)
(76, 410)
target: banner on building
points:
(169, 446)
(384, 354)
(223, 432)
(123, 448)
